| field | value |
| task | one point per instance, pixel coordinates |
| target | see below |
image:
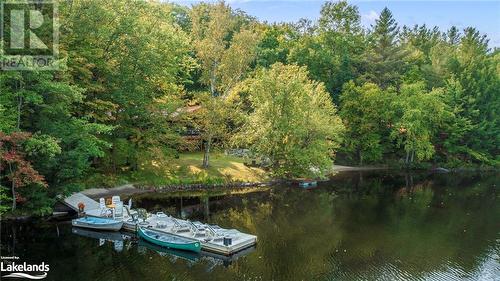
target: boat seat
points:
(161, 215)
(218, 239)
(182, 230)
(115, 199)
(118, 211)
(104, 211)
(181, 226)
(161, 224)
(200, 234)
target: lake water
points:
(358, 226)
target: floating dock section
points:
(73, 200)
(212, 237)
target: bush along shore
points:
(288, 97)
(201, 186)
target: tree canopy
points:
(413, 96)
(293, 123)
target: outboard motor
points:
(227, 241)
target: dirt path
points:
(127, 189)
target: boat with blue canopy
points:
(98, 223)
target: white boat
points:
(98, 223)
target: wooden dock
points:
(213, 242)
(73, 200)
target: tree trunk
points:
(19, 106)
(206, 156)
(360, 157)
(135, 158)
(13, 196)
(113, 158)
(206, 209)
(213, 79)
(13, 188)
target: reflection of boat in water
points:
(212, 259)
(106, 235)
(162, 251)
(116, 237)
(119, 238)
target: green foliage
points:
(294, 122)
(275, 44)
(16, 168)
(39, 201)
(225, 45)
(476, 70)
(140, 63)
(129, 68)
(367, 112)
(420, 115)
(42, 145)
(384, 57)
(333, 53)
(5, 199)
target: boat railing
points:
(193, 227)
(180, 226)
(176, 223)
(211, 230)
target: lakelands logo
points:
(24, 270)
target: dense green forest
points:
(297, 95)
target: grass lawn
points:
(231, 168)
(184, 170)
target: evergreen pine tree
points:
(384, 56)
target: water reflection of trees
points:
(369, 227)
(410, 224)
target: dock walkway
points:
(73, 200)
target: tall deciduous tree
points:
(368, 115)
(294, 122)
(275, 44)
(48, 109)
(420, 116)
(15, 149)
(225, 46)
(133, 70)
(333, 52)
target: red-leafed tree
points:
(14, 167)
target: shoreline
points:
(342, 168)
(132, 189)
(136, 189)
